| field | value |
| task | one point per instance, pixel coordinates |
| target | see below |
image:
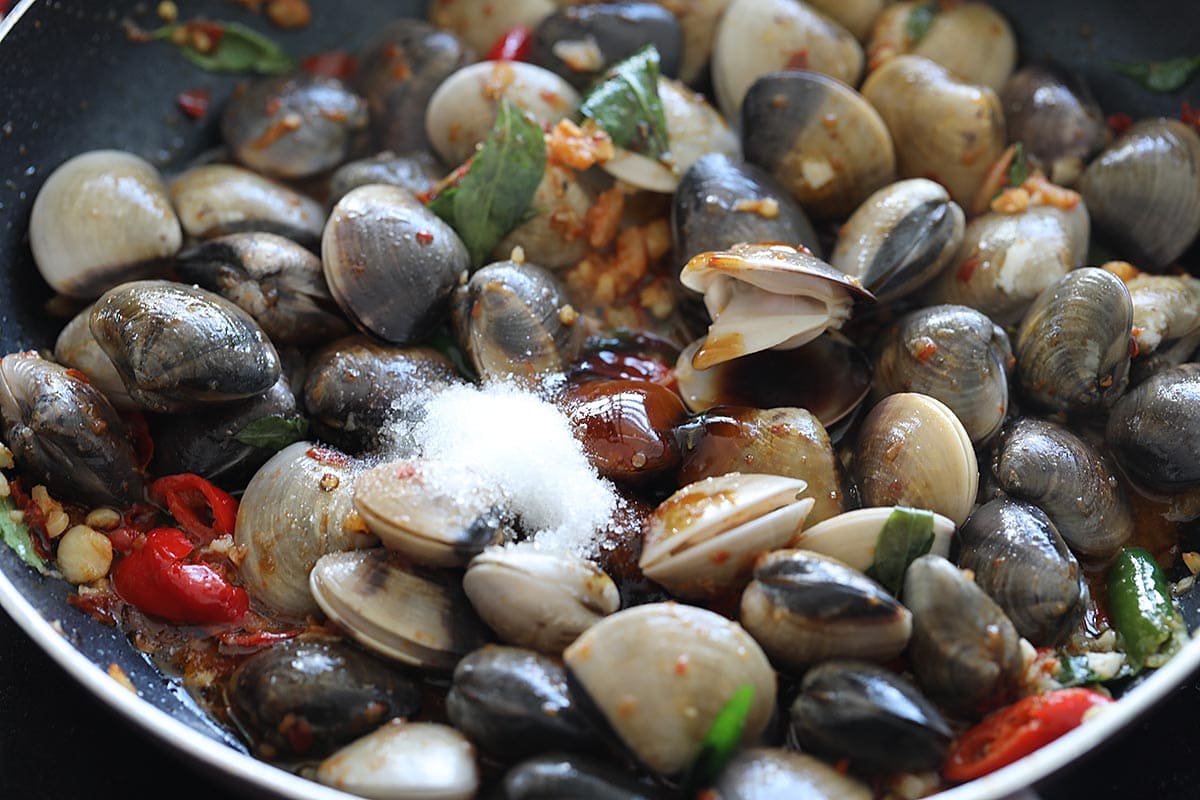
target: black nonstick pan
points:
(70, 81)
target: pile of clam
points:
(862, 314)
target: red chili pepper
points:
(156, 580)
(513, 45)
(194, 102)
(331, 64)
(1017, 730)
(187, 494)
(1118, 123)
(139, 436)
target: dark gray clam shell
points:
(869, 715)
(954, 354)
(580, 42)
(177, 346)
(1143, 192)
(965, 652)
(1070, 480)
(558, 775)
(1154, 430)
(216, 199)
(1073, 346)
(1023, 564)
(1053, 114)
(308, 696)
(417, 171)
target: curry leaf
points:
(17, 536)
(625, 103)
(1018, 173)
(237, 48)
(1162, 76)
(906, 536)
(274, 432)
(920, 20)
(722, 739)
(492, 197)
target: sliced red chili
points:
(157, 581)
(331, 64)
(1017, 730)
(194, 102)
(514, 45)
(188, 496)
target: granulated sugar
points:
(526, 446)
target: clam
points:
(855, 16)
(65, 435)
(869, 715)
(216, 199)
(788, 442)
(555, 236)
(820, 138)
(965, 652)
(852, 537)
(293, 126)
(177, 347)
(296, 508)
(804, 608)
(1070, 480)
(900, 238)
(913, 451)
(272, 279)
(573, 775)
(463, 108)
(579, 42)
(78, 349)
(944, 128)
(699, 20)
(1019, 559)
(954, 354)
(763, 296)
(756, 37)
(1153, 430)
(417, 172)
(1051, 112)
(390, 262)
(515, 703)
(405, 761)
(1166, 308)
(690, 661)
(761, 773)
(434, 513)
(101, 218)
(417, 618)
(1073, 345)
(481, 23)
(539, 599)
(702, 541)
(1144, 191)
(626, 427)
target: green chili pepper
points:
(1141, 608)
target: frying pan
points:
(70, 82)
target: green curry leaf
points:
(237, 49)
(274, 432)
(920, 20)
(722, 739)
(1018, 173)
(625, 103)
(17, 536)
(1162, 76)
(906, 536)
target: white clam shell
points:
(220, 198)
(851, 537)
(482, 22)
(405, 761)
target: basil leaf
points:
(722, 739)
(17, 536)
(239, 49)
(1018, 172)
(1162, 76)
(274, 432)
(492, 198)
(625, 103)
(906, 536)
(920, 20)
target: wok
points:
(69, 82)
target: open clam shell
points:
(851, 537)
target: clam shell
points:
(405, 761)
(972, 40)
(851, 537)
(216, 199)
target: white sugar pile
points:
(525, 445)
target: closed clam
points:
(216, 199)
(1022, 563)
(763, 296)
(852, 537)
(296, 508)
(434, 513)
(78, 349)
(417, 172)
(417, 618)
(869, 715)
(1069, 479)
(789, 442)
(943, 128)
(573, 775)
(539, 599)
(1144, 191)
(64, 434)
(1166, 310)
(954, 354)
(1073, 345)
(804, 608)
(1051, 112)
(626, 427)
(405, 761)
(482, 22)
(756, 37)
(855, 16)
(390, 263)
(101, 218)
(702, 541)
(690, 661)
(771, 774)
(515, 703)
(913, 451)
(555, 235)
(965, 652)
(900, 238)
(579, 41)
(177, 347)
(820, 138)
(1153, 430)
